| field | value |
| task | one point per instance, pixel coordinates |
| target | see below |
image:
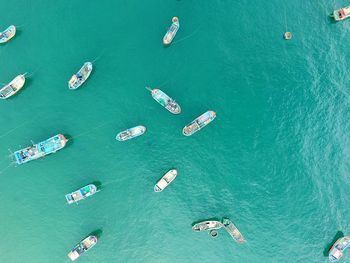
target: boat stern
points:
(69, 199)
(73, 255)
(18, 157)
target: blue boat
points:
(199, 123)
(41, 149)
(336, 251)
(81, 76)
(81, 194)
(7, 34)
(131, 133)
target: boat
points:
(13, 87)
(7, 34)
(82, 247)
(41, 149)
(81, 76)
(164, 100)
(336, 251)
(131, 133)
(199, 123)
(165, 180)
(233, 231)
(81, 194)
(341, 13)
(207, 225)
(170, 34)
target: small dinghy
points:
(164, 100)
(81, 194)
(341, 13)
(336, 251)
(13, 87)
(170, 34)
(165, 180)
(41, 149)
(7, 34)
(83, 74)
(82, 247)
(207, 225)
(233, 231)
(199, 123)
(131, 133)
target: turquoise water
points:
(275, 160)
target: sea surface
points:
(276, 160)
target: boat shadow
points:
(69, 138)
(98, 185)
(338, 235)
(98, 233)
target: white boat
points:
(13, 87)
(341, 13)
(81, 76)
(82, 247)
(165, 180)
(170, 34)
(81, 194)
(131, 133)
(7, 34)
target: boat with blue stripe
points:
(164, 100)
(7, 34)
(81, 194)
(199, 123)
(41, 149)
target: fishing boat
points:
(207, 225)
(131, 133)
(13, 87)
(341, 13)
(82, 247)
(170, 34)
(7, 34)
(41, 149)
(81, 76)
(199, 123)
(165, 180)
(233, 231)
(336, 251)
(81, 194)
(164, 100)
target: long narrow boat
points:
(207, 225)
(170, 34)
(82, 247)
(81, 76)
(164, 100)
(41, 149)
(7, 34)
(233, 231)
(336, 251)
(13, 87)
(81, 194)
(341, 13)
(131, 133)
(165, 180)
(199, 123)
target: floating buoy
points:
(213, 233)
(288, 35)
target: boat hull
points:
(7, 34)
(81, 194)
(41, 149)
(82, 247)
(13, 87)
(336, 251)
(171, 33)
(165, 180)
(199, 123)
(81, 76)
(167, 102)
(207, 225)
(131, 133)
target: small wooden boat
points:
(164, 100)
(207, 225)
(81, 194)
(82, 247)
(165, 180)
(170, 34)
(13, 87)
(233, 231)
(336, 251)
(7, 34)
(131, 133)
(41, 149)
(81, 76)
(199, 123)
(341, 13)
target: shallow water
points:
(275, 161)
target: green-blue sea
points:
(276, 160)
